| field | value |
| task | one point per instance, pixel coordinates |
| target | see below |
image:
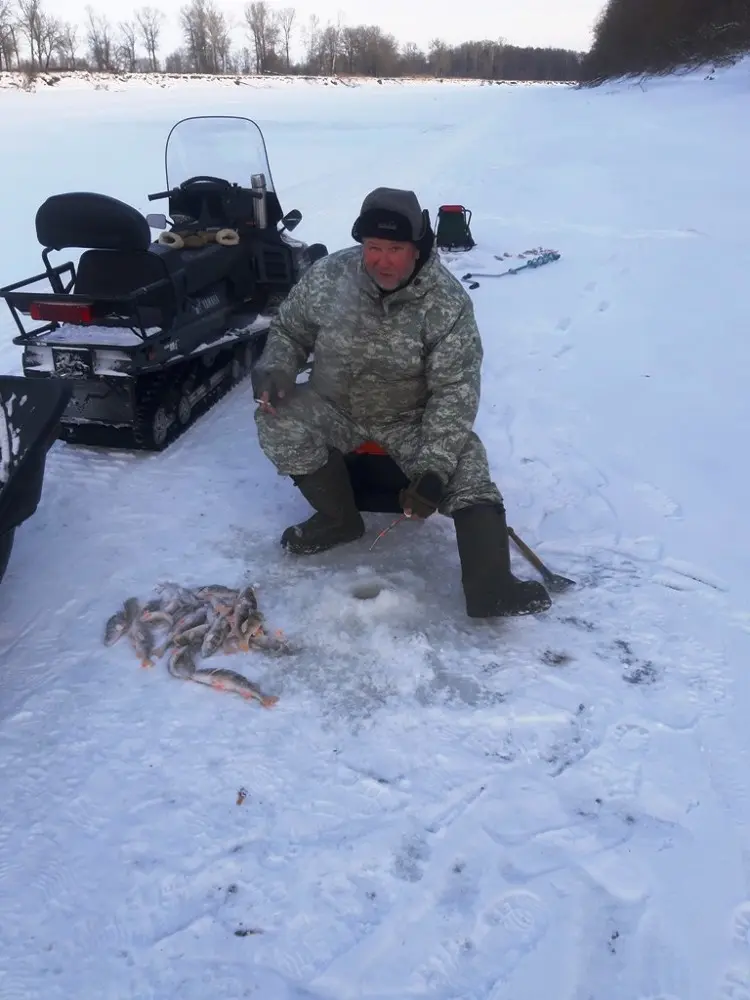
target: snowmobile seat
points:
(108, 273)
(116, 239)
(376, 479)
(104, 274)
(201, 267)
(84, 219)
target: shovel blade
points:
(557, 583)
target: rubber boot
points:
(489, 587)
(336, 520)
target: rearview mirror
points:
(157, 221)
(292, 219)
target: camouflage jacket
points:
(413, 355)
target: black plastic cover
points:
(30, 412)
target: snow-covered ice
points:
(548, 807)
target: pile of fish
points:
(201, 621)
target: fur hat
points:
(391, 214)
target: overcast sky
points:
(564, 23)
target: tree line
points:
(658, 36)
(259, 42)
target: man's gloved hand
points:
(271, 387)
(422, 496)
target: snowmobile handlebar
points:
(213, 184)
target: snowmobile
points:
(150, 333)
(30, 411)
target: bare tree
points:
(99, 39)
(42, 32)
(193, 23)
(176, 62)
(330, 45)
(264, 31)
(30, 24)
(67, 46)
(206, 35)
(440, 59)
(8, 35)
(286, 20)
(349, 48)
(218, 40)
(370, 52)
(127, 45)
(150, 21)
(48, 39)
(414, 60)
(312, 43)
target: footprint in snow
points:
(507, 930)
(407, 864)
(636, 671)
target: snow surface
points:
(550, 807)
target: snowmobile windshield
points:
(224, 146)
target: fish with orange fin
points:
(128, 621)
(119, 623)
(197, 622)
(182, 664)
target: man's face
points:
(389, 262)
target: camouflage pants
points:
(298, 437)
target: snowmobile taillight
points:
(62, 312)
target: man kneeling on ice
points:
(397, 360)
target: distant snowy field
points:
(556, 807)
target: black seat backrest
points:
(104, 274)
(85, 219)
